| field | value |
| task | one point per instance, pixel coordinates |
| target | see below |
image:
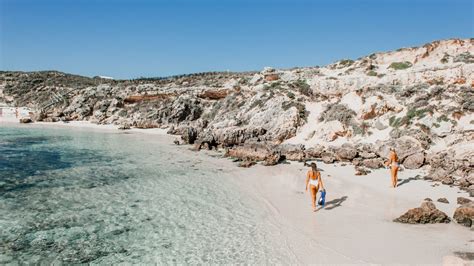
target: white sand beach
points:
(356, 224)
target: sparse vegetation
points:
(465, 57)
(394, 121)
(361, 129)
(302, 87)
(302, 113)
(445, 58)
(406, 120)
(244, 81)
(400, 65)
(256, 103)
(339, 112)
(290, 95)
(443, 118)
(372, 73)
(346, 62)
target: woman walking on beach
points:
(394, 166)
(314, 182)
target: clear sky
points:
(126, 39)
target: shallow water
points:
(72, 196)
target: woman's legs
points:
(314, 192)
(394, 172)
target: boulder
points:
(361, 171)
(462, 182)
(272, 159)
(462, 200)
(238, 135)
(446, 180)
(250, 151)
(414, 161)
(404, 146)
(292, 152)
(124, 126)
(357, 161)
(25, 120)
(246, 163)
(314, 152)
(366, 151)
(426, 213)
(367, 155)
(39, 116)
(443, 200)
(189, 135)
(328, 157)
(346, 152)
(51, 119)
(374, 163)
(465, 214)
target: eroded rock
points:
(426, 213)
(465, 214)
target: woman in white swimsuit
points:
(394, 166)
(314, 182)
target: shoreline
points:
(356, 224)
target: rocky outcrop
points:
(414, 161)
(346, 152)
(462, 200)
(464, 215)
(426, 213)
(189, 135)
(25, 120)
(443, 200)
(423, 109)
(374, 163)
(292, 152)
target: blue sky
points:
(126, 39)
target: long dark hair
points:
(314, 167)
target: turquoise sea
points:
(84, 196)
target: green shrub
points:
(258, 103)
(445, 58)
(290, 95)
(361, 129)
(436, 125)
(442, 118)
(302, 87)
(346, 62)
(465, 57)
(420, 113)
(339, 112)
(372, 73)
(302, 113)
(394, 121)
(400, 65)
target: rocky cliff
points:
(419, 100)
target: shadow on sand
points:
(406, 181)
(334, 203)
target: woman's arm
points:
(387, 163)
(320, 182)
(307, 181)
